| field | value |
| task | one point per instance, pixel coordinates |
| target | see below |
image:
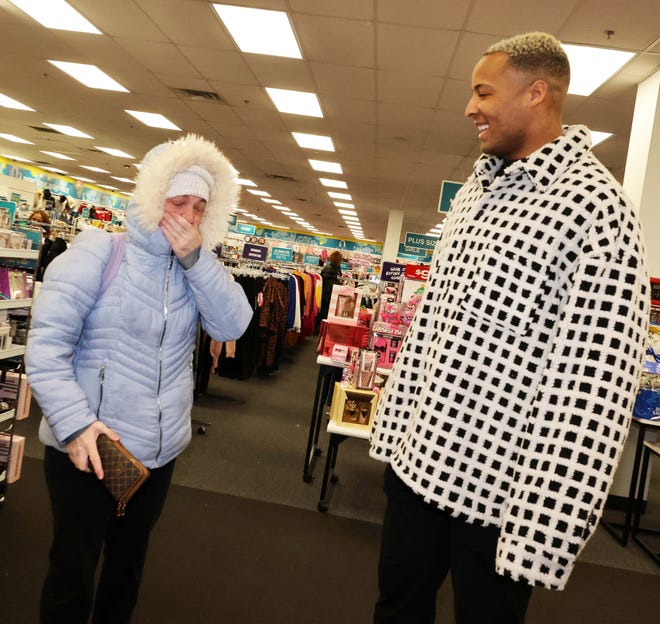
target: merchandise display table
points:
(650, 449)
(633, 504)
(329, 372)
(338, 433)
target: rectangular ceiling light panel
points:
(295, 102)
(153, 120)
(56, 14)
(259, 31)
(591, 67)
(89, 75)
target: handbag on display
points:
(123, 474)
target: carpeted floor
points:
(240, 540)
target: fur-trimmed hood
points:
(158, 168)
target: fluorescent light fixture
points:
(239, 210)
(270, 200)
(296, 102)
(350, 213)
(57, 155)
(8, 102)
(290, 213)
(137, 165)
(153, 120)
(97, 169)
(54, 170)
(591, 67)
(280, 208)
(259, 31)
(90, 75)
(68, 130)
(333, 183)
(56, 14)
(244, 182)
(113, 152)
(343, 205)
(128, 180)
(16, 158)
(14, 139)
(107, 186)
(326, 166)
(599, 137)
(351, 220)
(314, 141)
(85, 179)
(257, 192)
(335, 195)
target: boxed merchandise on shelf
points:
(352, 407)
(332, 334)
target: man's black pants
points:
(84, 523)
(420, 544)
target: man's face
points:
(190, 207)
(498, 107)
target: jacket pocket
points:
(507, 290)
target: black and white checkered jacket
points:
(511, 398)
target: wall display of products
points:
(647, 402)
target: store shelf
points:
(12, 352)
(29, 254)
(6, 416)
(10, 304)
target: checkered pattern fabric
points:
(511, 398)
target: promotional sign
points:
(417, 272)
(255, 252)
(447, 192)
(420, 241)
(231, 220)
(311, 259)
(281, 254)
(392, 271)
(245, 228)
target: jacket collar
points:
(543, 166)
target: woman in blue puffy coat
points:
(118, 361)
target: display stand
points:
(650, 448)
(621, 532)
(11, 367)
(328, 373)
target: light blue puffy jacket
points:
(127, 356)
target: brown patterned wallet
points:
(123, 474)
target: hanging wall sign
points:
(311, 259)
(255, 252)
(417, 272)
(281, 254)
(420, 241)
(447, 192)
(392, 271)
(245, 228)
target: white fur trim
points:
(162, 163)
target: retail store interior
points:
(254, 530)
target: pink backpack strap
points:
(116, 256)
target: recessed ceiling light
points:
(108, 186)
(314, 141)
(113, 152)
(280, 208)
(270, 200)
(17, 158)
(257, 192)
(324, 165)
(8, 102)
(244, 182)
(335, 195)
(153, 120)
(599, 137)
(57, 155)
(333, 183)
(351, 213)
(55, 170)
(128, 180)
(259, 31)
(343, 205)
(239, 210)
(97, 169)
(296, 102)
(56, 14)
(591, 67)
(89, 75)
(85, 179)
(68, 130)
(15, 139)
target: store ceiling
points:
(392, 76)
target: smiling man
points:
(508, 406)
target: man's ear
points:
(537, 92)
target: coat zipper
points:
(160, 354)
(101, 380)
